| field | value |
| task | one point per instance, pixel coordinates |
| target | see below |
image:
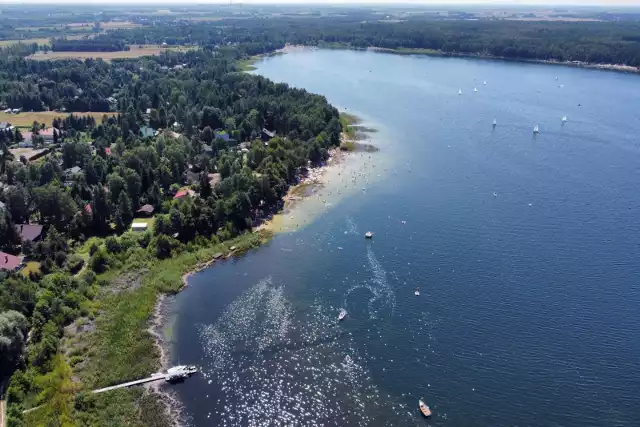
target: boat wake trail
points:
(351, 227)
(383, 297)
(269, 366)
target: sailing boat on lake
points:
(536, 130)
(459, 91)
(564, 119)
(495, 123)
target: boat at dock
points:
(179, 373)
(424, 408)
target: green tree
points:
(13, 337)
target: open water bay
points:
(525, 248)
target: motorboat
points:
(424, 408)
(417, 292)
(368, 235)
(342, 314)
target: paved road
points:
(155, 377)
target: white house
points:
(139, 226)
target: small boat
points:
(417, 292)
(368, 235)
(475, 89)
(342, 314)
(495, 123)
(424, 408)
(536, 129)
(459, 91)
(564, 119)
(484, 83)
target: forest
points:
(201, 114)
(594, 42)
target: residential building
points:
(146, 210)
(147, 132)
(267, 134)
(71, 173)
(29, 232)
(10, 262)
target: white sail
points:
(459, 91)
(495, 122)
(564, 119)
(475, 89)
(536, 129)
(484, 83)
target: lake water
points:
(525, 249)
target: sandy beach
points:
(344, 172)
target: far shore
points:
(433, 52)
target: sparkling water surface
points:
(525, 249)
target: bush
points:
(163, 246)
(60, 258)
(112, 245)
(99, 261)
(93, 248)
(74, 263)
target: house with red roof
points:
(10, 262)
(184, 193)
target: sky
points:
(413, 2)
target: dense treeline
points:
(596, 42)
(69, 85)
(87, 45)
(227, 189)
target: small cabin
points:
(139, 226)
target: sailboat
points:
(475, 89)
(564, 119)
(495, 123)
(459, 91)
(484, 83)
(536, 130)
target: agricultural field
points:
(5, 43)
(46, 117)
(134, 52)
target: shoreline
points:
(576, 64)
(621, 68)
(314, 179)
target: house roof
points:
(146, 209)
(29, 231)
(269, 133)
(73, 170)
(48, 132)
(184, 192)
(9, 262)
(147, 132)
(181, 193)
(222, 135)
(107, 150)
(88, 209)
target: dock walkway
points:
(155, 377)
